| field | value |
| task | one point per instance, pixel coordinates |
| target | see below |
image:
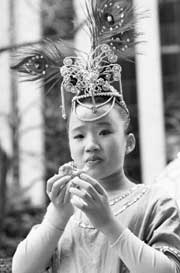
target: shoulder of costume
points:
(159, 194)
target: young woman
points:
(98, 220)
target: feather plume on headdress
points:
(112, 22)
(40, 61)
(111, 26)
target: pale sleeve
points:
(140, 257)
(163, 229)
(34, 253)
(159, 250)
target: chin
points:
(96, 174)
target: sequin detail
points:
(121, 197)
(171, 250)
(122, 209)
(130, 203)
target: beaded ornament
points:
(111, 26)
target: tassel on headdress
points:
(111, 27)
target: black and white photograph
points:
(90, 136)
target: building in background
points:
(169, 14)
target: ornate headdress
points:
(111, 26)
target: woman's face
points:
(97, 147)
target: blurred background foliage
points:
(17, 215)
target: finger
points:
(66, 169)
(59, 185)
(93, 182)
(81, 193)
(76, 173)
(90, 184)
(67, 194)
(60, 197)
(78, 202)
(84, 187)
(51, 181)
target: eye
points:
(105, 132)
(79, 136)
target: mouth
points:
(92, 161)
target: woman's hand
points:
(89, 196)
(60, 209)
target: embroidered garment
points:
(150, 215)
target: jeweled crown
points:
(111, 26)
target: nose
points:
(92, 144)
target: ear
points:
(131, 143)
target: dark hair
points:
(125, 116)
